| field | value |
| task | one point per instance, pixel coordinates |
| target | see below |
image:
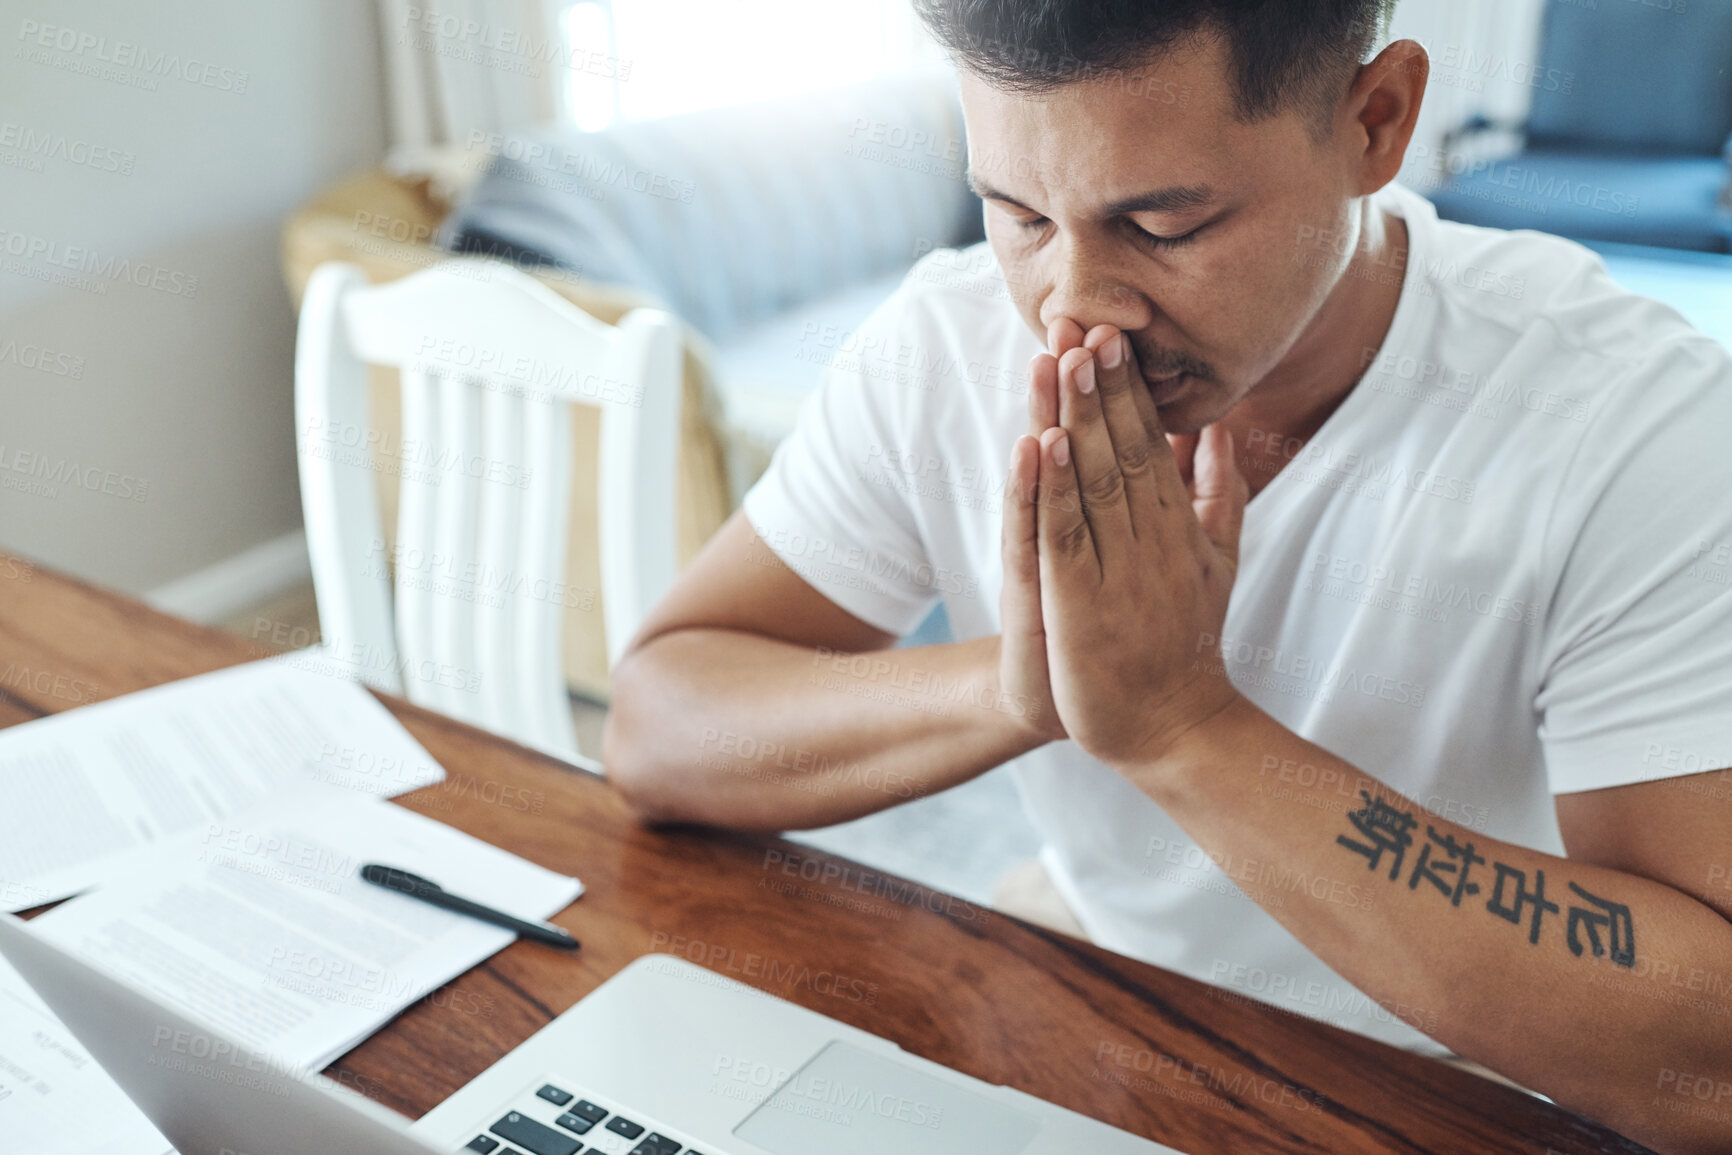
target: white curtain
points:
(1484, 61)
(456, 67)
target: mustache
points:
(1157, 363)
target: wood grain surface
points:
(1133, 1045)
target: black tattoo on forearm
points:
(1388, 829)
(1615, 917)
(1460, 858)
(1535, 898)
(1445, 864)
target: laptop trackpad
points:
(849, 1101)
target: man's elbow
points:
(643, 796)
(636, 768)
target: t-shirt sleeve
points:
(856, 543)
(1636, 661)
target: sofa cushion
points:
(734, 215)
(1665, 201)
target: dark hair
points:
(1284, 52)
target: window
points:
(640, 59)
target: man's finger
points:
(1173, 486)
(1062, 336)
(1104, 501)
(1221, 492)
(1132, 445)
(1067, 549)
(1042, 393)
(1020, 607)
(1144, 400)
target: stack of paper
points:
(218, 826)
(85, 790)
(261, 926)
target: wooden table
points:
(1131, 1044)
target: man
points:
(1356, 605)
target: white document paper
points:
(81, 792)
(53, 1096)
(261, 925)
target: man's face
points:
(1142, 201)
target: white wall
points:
(178, 403)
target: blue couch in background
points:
(1627, 140)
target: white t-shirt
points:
(1498, 572)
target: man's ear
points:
(1382, 108)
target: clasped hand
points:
(1120, 544)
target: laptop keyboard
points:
(556, 1121)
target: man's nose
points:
(1088, 290)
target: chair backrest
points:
(1620, 76)
(489, 360)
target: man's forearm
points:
(728, 728)
(1550, 971)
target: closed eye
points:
(1157, 241)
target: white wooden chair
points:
(489, 360)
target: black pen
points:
(415, 886)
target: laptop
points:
(665, 1058)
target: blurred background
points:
(767, 170)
